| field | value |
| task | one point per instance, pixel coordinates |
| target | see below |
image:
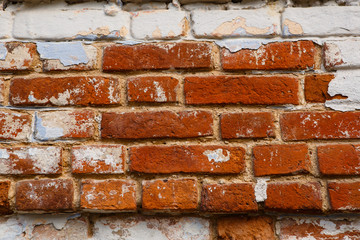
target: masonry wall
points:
(180, 121)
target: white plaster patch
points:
(6, 20)
(160, 93)
(340, 54)
(3, 51)
(261, 189)
(347, 84)
(217, 155)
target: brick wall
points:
(197, 121)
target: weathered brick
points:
(75, 24)
(340, 54)
(269, 90)
(294, 197)
(242, 228)
(99, 159)
(66, 91)
(235, 23)
(108, 195)
(281, 159)
(318, 228)
(187, 159)
(57, 56)
(152, 89)
(15, 126)
(4, 197)
(330, 21)
(247, 125)
(160, 24)
(339, 159)
(152, 228)
(74, 124)
(30, 160)
(232, 197)
(170, 194)
(157, 56)
(2, 90)
(162, 124)
(344, 196)
(316, 87)
(17, 56)
(44, 195)
(320, 125)
(298, 55)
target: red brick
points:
(298, 55)
(45, 195)
(318, 229)
(281, 159)
(171, 194)
(339, 159)
(19, 57)
(233, 197)
(294, 197)
(55, 125)
(320, 125)
(344, 196)
(15, 126)
(4, 198)
(244, 228)
(108, 194)
(187, 159)
(152, 89)
(99, 159)
(269, 90)
(2, 91)
(30, 160)
(66, 91)
(157, 56)
(247, 125)
(316, 87)
(162, 124)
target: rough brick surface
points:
(232, 197)
(164, 124)
(152, 89)
(243, 228)
(157, 56)
(281, 159)
(45, 195)
(270, 90)
(6, 24)
(320, 125)
(294, 197)
(108, 195)
(16, 56)
(247, 125)
(98, 159)
(187, 159)
(65, 91)
(4, 197)
(272, 56)
(339, 159)
(30, 160)
(171, 194)
(316, 87)
(15, 126)
(64, 125)
(344, 196)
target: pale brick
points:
(6, 25)
(17, 56)
(151, 228)
(30, 160)
(321, 21)
(55, 24)
(67, 56)
(235, 23)
(159, 24)
(15, 126)
(64, 125)
(341, 54)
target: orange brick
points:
(4, 198)
(344, 196)
(20, 57)
(15, 125)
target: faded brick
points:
(15, 126)
(17, 56)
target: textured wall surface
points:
(180, 120)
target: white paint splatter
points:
(260, 189)
(217, 155)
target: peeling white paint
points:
(16, 128)
(16, 58)
(340, 54)
(217, 155)
(347, 84)
(3, 51)
(160, 93)
(261, 189)
(6, 20)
